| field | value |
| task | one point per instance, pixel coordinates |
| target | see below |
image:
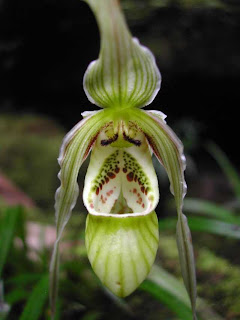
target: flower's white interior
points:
(121, 179)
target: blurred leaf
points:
(168, 290)
(226, 166)
(4, 307)
(7, 230)
(204, 225)
(92, 315)
(210, 209)
(24, 279)
(34, 307)
(16, 295)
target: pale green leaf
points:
(169, 290)
(202, 224)
(166, 288)
(213, 210)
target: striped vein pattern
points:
(122, 250)
(169, 151)
(74, 151)
(125, 75)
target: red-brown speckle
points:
(130, 176)
(142, 189)
(111, 175)
(117, 169)
(102, 199)
(124, 170)
(109, 193)
(97, 191)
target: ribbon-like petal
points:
(75, 148)
(169, 151)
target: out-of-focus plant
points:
(208, 216)
(121, 188)
(12, 225)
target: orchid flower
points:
(121, 188)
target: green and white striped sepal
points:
(125, 74)
(120, 194)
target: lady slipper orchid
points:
(121, 187)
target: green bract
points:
(121, 188)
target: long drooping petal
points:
(125, 74)
(120, 193)
(169, 151)
(75, 148)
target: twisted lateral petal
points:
(75, 148)
(125, 74)
(122, 249)
(169, 151)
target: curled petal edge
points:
(74, 150)
(169, 151)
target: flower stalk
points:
(121, 188)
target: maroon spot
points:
(97, 191)
(134, 190)
(100, 186)
(109, 193)
(143, 205)
(135, 178)
(102, 199)
(117, 169)
(107, 179)
(142, 189)
(124, 170)
(130, 176)
(91, 206)
(111, 175)
(102, 182)
(146, 191)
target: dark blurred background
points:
(46, 46)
